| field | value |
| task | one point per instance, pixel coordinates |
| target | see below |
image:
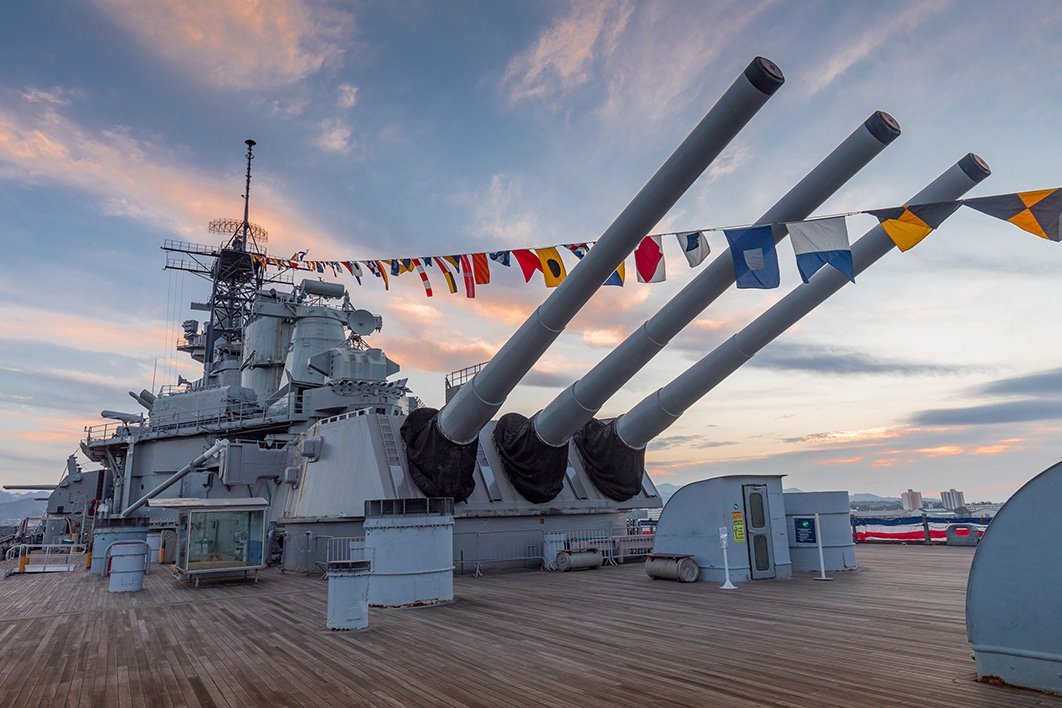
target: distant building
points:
(912, 500)
(952, 499)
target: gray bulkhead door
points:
(758, 523)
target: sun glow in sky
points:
(430, 127)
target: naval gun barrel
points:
(476, 402)
(578, 404)
(657, 412)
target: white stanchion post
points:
(822, 560)
(723, 534)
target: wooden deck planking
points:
(890, 633)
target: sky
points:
(439, 127)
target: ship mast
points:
(236, 274)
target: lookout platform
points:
(890, 633)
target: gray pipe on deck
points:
(176, 477)
(578, 404)
(657, 412)
(476, 403)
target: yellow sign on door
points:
(739, 526)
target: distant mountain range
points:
(15, 507)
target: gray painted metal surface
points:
(681, 568)
(579, 560)
(327, 489)
(104, 536)
(834, 528)
(577, 404)
(476, 403)
(659, 410)
(758, 531)
(1014, 592)
(412, 559)
(962, 535)
(177, 477)
(690, 522)
(348, 594)
(129, 563)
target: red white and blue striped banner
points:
(910, 528)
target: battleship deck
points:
(892, 632)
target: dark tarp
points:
(440, 467)
(614, 468)
(536, 469)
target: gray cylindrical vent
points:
(579, 560)
(681, 568)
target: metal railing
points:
(496, 548)
(224, 415)
(109, 431)
(44, 558)
(463, 376)
(344, 548)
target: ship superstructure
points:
(295, 406)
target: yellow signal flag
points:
(552, 266)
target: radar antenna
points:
(241, 243)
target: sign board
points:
(723, 535)
(805, 529)
(738, 520)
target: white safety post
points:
(723, 534)
(818, 541)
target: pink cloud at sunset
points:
(841, 460)
(140, 338)
(235, 44)
(140, 179)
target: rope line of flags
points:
(816, 243)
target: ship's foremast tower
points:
(236, 271)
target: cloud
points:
(57, 96)
(32, 325)
(235, 44)
(1041, 384)
(877, 35)
(143, 180)
(643, 80)
(607, 337)
(992, 413)
(546, 379)
(612, 53)
(348, 96)
(735, 156)
(497, 213)
(412, 353)
(564, 55)
(691, 441)
(1040, 400)
(783, 356)
(334, 136)
(847, 436)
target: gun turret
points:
(535, 452)
(622, 442)
(440, 445)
